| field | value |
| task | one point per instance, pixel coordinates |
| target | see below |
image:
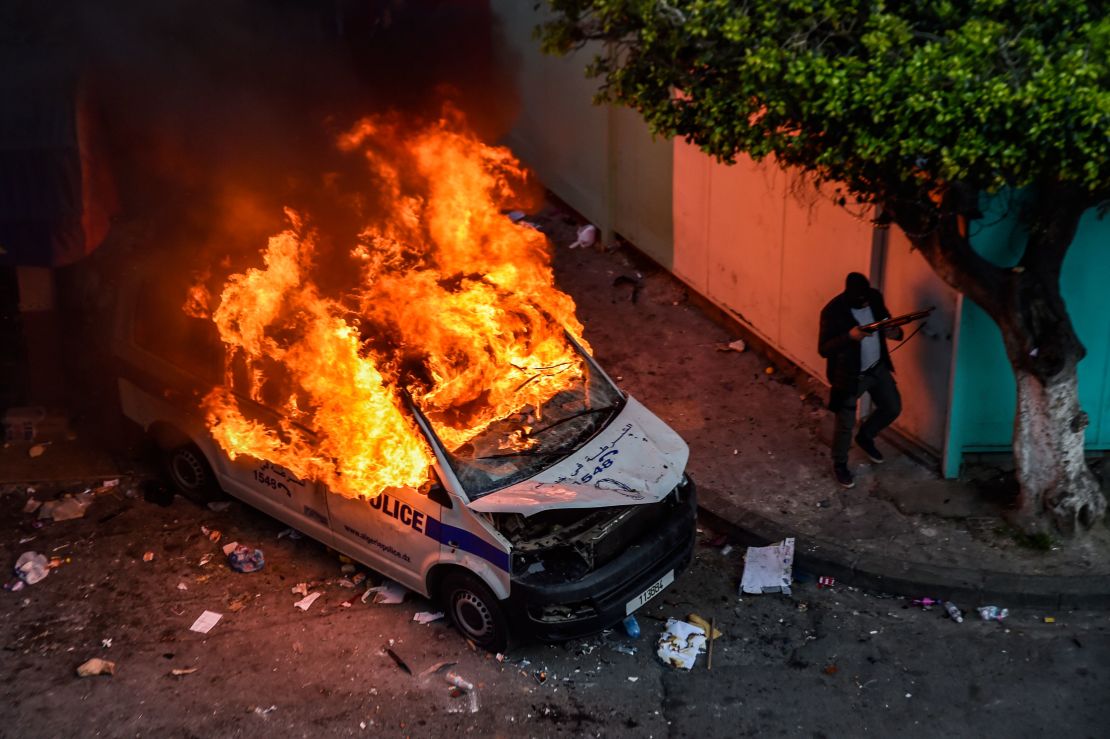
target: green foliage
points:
(889, 99)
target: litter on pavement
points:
(31, 567)
(427, 617)
(993, 613)
(245, 559)
(306, 602)
(66, 508)
(680, 643)
(768, 569)
(388, 593)
(96, 666)
(205, 622)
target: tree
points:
(921, 109)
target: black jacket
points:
(841, 351)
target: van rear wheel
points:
(189, 472)
(475, 611)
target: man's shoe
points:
(869, 448)
(843, 476)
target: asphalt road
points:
(830, 662)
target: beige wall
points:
(746, 236)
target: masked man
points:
(857, 362)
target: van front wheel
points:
(475, 611)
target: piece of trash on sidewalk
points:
(427, 617)
(398, 661)
(925, 602)
(293, 534)
(37, 450)
(702, 624)
(306, 602)
(631, 626)
(953, 611)
(824, 581)
(623, 648)
(259, 710)
(993, 613)
(230, 547)
(181, 671)
(388, 593)
(148, 556)
(587, 236)
(680, 643)
(182, 586)
(96, 666)
(737, 346)
(300, 589)
(768, 569)
(31, 505)
(1050, 619)
(244, 559)
(726, 550)
(212, 534)
(205, 622)
(31, 567)
(66, 508)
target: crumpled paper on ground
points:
(680, 643)
(388, 593)
(67, 507)
(31, 567)
(769, 569)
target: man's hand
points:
(858, 334)
(894, 332)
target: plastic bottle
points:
(953, 611)
(993, 613)
(632, 626)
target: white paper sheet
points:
(206, 621)
(769, 569)
(680, 643)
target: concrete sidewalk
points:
(759, 441)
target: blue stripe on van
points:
(466, 541)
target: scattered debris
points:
(300, 589)
(182, 671)
(427, 617)
(182, 586)
(230, 547)
(37, 450)
(540, 676)
(1050, 619)
(704, 625)
(205, 622)
(768, 569)
(31, 505)
(587, 236)
(219, 506)
(631, 626)
(212, 534)
(244, 559)
(148, 556)
(259, 710)
(454, 678)
(926, 603)
(623, 648)
(830, 669)
(30, 568)
(993, 613)
(204, 560)
(737, 346)
(954, 611)
(66, 508)
(726, 550)
(824, 581)
(106, 643)
(436, 668)
(306, 602)
(96, 666)
(293, 534)
(680, 643)
(398, 661)
(388, 593)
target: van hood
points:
(635, 459)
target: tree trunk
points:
(1041, 343)
(1048, 452)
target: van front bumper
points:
(560, 611)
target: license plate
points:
(653, 590)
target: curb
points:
(916, 579)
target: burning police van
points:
(559, 535)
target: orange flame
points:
(443, 296)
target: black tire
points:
(190, 474)
(475, 611)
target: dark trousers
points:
(888, 404)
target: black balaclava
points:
(858, 289)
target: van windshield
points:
(521, 445)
